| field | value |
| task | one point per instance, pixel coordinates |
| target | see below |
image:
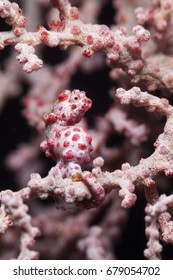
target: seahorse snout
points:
(86, 103)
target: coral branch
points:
(158, 217)
(100, 167)
(14, 206)
(95, 245)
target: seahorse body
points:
(68, 145)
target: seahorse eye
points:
(76, 98)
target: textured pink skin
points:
(68, 145)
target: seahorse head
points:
(69, 108)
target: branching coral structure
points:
(110, 142)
